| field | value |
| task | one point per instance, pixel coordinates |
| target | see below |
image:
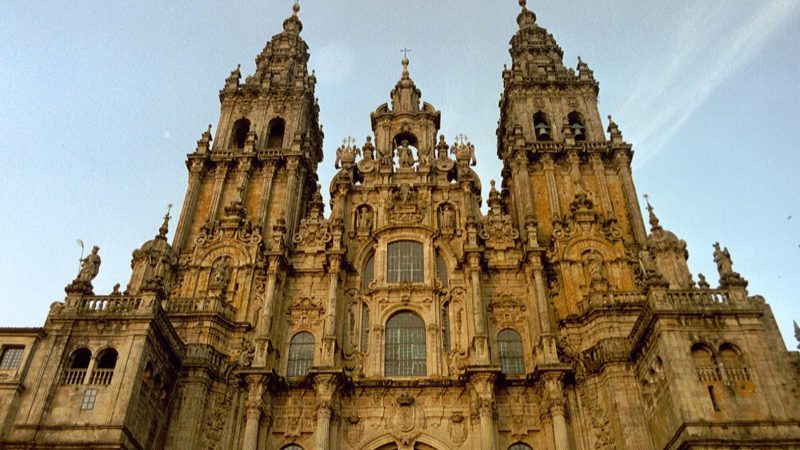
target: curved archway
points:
(301, 354)
(239, 132)
(275, 131)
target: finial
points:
(296, 7)
(404, 61)
(492, 183)
(653, 219)
(162, 231)
(796, 332)
(522, 3)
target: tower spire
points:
(654, 225)
(164, 229)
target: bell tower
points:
(250, 183)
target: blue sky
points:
(101, 101)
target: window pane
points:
(301, 355)
(12, 356)
(404, 262)
(441, 270)
(509, 346)
(519, 446)
(368, 273)
(405, 346)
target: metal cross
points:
(461, 139)
(647, 199)
(349, 141)
(405, 52)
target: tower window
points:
(509, 346)
(542, 126)
(105, 367)
(520, 446)
(89, 398)
(576, 123)
(405, 346)
(239, 135)
(404, 262)
(12, 357)
(78, 365)
(276, 130)
(368, 273)
(301, 355)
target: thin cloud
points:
(709, 47)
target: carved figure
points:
(387, 157)
(90, 266)
(441, 148)
(364, 219)
(369, 149)
(404, 154)
(424, 155)
(723, 259)
(595, 267)
(447, 217)
(220, 273)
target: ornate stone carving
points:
(727, 276)
(406, 205)
(457, 428)
(498, 230)
(90, 267)
(314, 231)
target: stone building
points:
(406, 317)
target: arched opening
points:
(441, 270)
(275, 132)
(78, 365)
(301, 354)
(404, 262)
(520, 446)
(291, 447)
(407, 148)
(541, 126)
(239, 132)
(368, 274)
(730, 358)
(704, 363)
(577, 124)
(405, 346)
(104, 369)
(509, 347)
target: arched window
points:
(276, 129)
(520, 446)
(542, 126)
(368, 273)
(509, 347)
(446, 326)
(405, 262)
(239, 133)
(576, 123)
(405, 346)
(364, 328)
(78, 365)
(301, 354)
(704, 363)
(104, 368)
(732, 364)
(441, 270)
(291, 447)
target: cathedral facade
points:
(409, 315)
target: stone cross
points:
(461, 139)
(348, 141)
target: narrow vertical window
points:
(104, 371)
(239, 133)
(89, 399)
(509, 346)
(301, 355)
(368, 273)
(405, 345)
(275, 132)
(441, 270)
(364, 328)
(12, 357)
(404, 262)
(446, 326)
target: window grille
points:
(364, 328)
(12, 357)
(292, 447)
(520, 446)
(404, 262)
(89, 398)
(405, 346)
(509, 346)
(301, 355)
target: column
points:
(219, 181)
(554, 396)
(522, 187)
(483, 384)
(325, 384)
(479, 320)
(253, 409)
(552, 191)
(623, 166)
(196, 172)
(329, 335)
(266, 193)
(600, 174)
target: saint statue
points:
(364, 219)
(723, 259)
(90, 266)
(405, 155)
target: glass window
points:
(405, 345)
(292, 447)
(441, 270)
(404, 262)
(446, 326)
(364, 328)
(301, 355)
(520, 446)
(368, 273)
(12, 357)
(509, 346)
(89, 398)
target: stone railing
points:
(611, 300)
(698, 297)
(204, 355)
(101, 376)
(109, 304)
(195, 306)
(606, 351)
(737, 373)
(708, 373)
(73, 376)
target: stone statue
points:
(424, 155)
(441, 148)
(387, 157)
(368, 149)
(364, 219)
(723, 259)
(448, 219)
(702, 283)
(90, 266)
(595, 267)
(220, 273)
(404, 154)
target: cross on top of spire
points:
(349, 141)
(461, 139)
